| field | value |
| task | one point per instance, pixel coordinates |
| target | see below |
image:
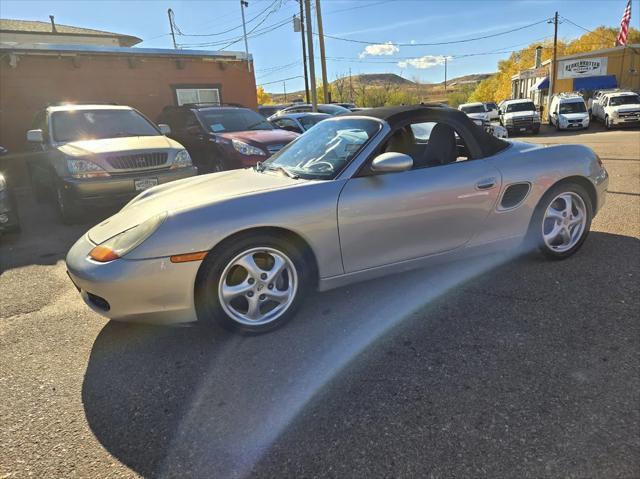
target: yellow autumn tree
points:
(498, 87)
(263, 97)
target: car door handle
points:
(486, 184)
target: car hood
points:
(119, 145)
(627, 108)
(478, 116)
(575, 116)
(262, 137)
(518, 114)
(189, 193)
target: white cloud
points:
(379, 49)
(422, 63)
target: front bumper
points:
(8, 212)
(120, 188)
(625, 120)
(151, 290)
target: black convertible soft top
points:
(400, 116)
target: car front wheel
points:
(607, 123)
(562, 221)
(252, 285)
(68, 209)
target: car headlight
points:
(614, 114)
(181, 160)
(85, 169)
(119, 245)
(3, 183)
(246, 149)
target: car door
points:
(393, 217)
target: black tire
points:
(208, 307)
(536, 131)
(69, 210)
(534, 235)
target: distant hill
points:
(345, 87)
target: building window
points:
(198, 95)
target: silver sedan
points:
(356, 197)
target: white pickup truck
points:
(519, 116)
(617, 108)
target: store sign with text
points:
(583, 67)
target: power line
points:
(231, 29)
(363, 42)
(281, 80)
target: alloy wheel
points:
(564, 222)
(258, 286)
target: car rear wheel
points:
(562, 221)
(251, 285)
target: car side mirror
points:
(164, 129)
(35, 136)
(391, 162)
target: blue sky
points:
(277, 53)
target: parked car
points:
(224, 138)
(329, 109)
(492, 110)
(268, 110)
(88, 155)
(358, 196)
(568, 112)
(520, 116)
(348, 106)
(9, 220)
(618, 108)
(475, 110)
(498, 131)
(298, 122)
(594, 103)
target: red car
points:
(223, 138)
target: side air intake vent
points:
(514, 194)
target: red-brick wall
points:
(144, 83)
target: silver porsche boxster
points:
(357, 196)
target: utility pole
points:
(245, 4)
(312, 71)
(350, 87)
(284, 86)
(304, 54)
(173, 35)
(552, 82)
(445, 73)
(323, 60)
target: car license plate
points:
(145, 183)
(523, 129)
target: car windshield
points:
(74, 125)
(573, 107)
(526, 106)
(624, 100)
(225, 120)
(473, 109)
(326, 149)
(310, 120)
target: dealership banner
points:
(584, 67)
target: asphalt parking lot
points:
(499, 367)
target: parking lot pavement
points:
(497, 367)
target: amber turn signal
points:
(184, 258)
(103, 254)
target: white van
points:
(568, 111)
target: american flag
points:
(624, 25)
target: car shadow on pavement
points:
(44, 240)
(182, 402)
